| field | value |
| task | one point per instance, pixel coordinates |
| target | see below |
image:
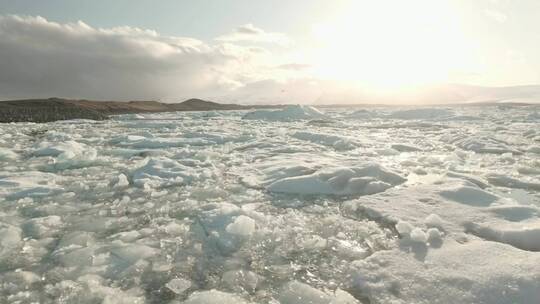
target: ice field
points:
(300, 205)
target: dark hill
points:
(52, 109)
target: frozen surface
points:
(298, 205)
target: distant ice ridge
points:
(289, 113)
(422, 113)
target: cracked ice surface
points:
(376, 205)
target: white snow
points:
(384, 205)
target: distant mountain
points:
(52, 109)
(433, 94)
(195, 104)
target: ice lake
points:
(373, 205)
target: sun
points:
(388, 45)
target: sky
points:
(246, 51)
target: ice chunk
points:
(434, 235)
(289, 113)
(486, 144)
(10, 239)
(433, 220)
(68, 155)
(242, 225)
(214, 297)
(343, 297)
(470, 196)
(418, 235)
(271, 170)
(335, 141)
(162, 172)
(516, 213)
(7, 154)
(470, 178)
(364, 180)
(526, 238)
(299, 293)
(240, 279)
(142, 142)
(121, 181)
(29, 184)
(405, 148)
(296, 292)
(404, 228)
(534, 149)
(510, 182)
(42, 226)
(133, 252)
(178, 285)
(69, 147)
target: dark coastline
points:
(53, 109)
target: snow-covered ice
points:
(293, 205)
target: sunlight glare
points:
(391, 44)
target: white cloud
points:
(496, 15)
(294, 66)
(40, 58)
(250, 33)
